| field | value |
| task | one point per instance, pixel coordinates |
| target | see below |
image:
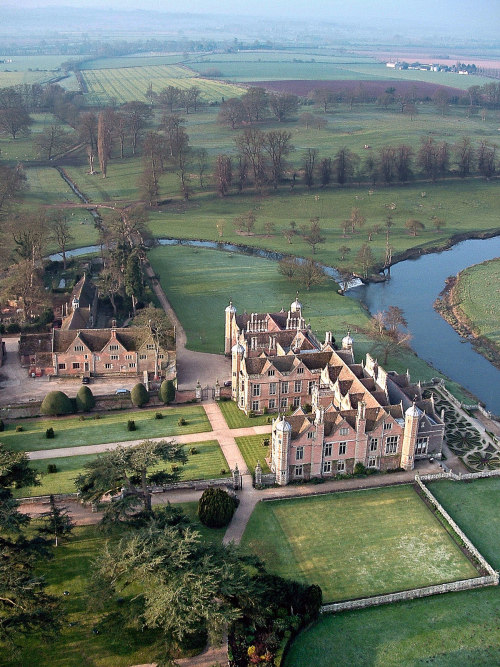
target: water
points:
(414, 286)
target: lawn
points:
(235, 418)
(111, 427)
(446, 630)
(356, 544)
(77, 644)
(207, 463)
(477, 296)
(252, 450)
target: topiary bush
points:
(85, 400)
(158, 415)
(182, 422)
(51, 468)
(19, 429)
(49, 433)
(216, 508)
(131, 425)
(166, 393)
(56, 403)
(139, 395)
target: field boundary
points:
(491, 579)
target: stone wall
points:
(376, 600)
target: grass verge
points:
(252, 450)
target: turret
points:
(281, 437)
(237, 354)
(412, 417)
(230, 312)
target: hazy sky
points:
(469, 17)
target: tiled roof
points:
(96, 339)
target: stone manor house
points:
(342, 412)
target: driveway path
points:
(191, 366)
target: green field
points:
(235, 418)
(111, 427)
(77, 644)
(125, 84)
(356, 544)
(446, 630)
(477, 296)
(206, 464)
(252, 450)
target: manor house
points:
(342, 413)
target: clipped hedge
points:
(139, 395)
(85, 400)
(216, 508)
(56, 403)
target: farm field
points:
(199, 283)
(111, 427)
(207, 463)
(246, 67)
(453, 629)
(252, 450)
(77, 643)
(476, 295)
(356, 544)
(134, 60)
(127, 84)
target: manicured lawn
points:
(236, 418)
(446, 630)
(252, 450)
(356, 544)
(475, 507)
(111, 427)
(206, 464)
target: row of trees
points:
(255, 105)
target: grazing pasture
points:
(356, 544)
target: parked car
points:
(122, 391)
(85, 379)
(227, 383)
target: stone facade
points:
(343, 413)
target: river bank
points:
(448, 305)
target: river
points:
(413, 286)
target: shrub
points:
(97, 416)
(158, 415)
(56, 403)
(182, 422)
(81, 418)
(166, 393)
(359, 469)
(131, 425)
(49, 433)
(307, 407)
(251, 414)
(223, 471)
(193, 450)
(51, 468)
(265, 442)
(19, 429)
(139, 395)
(85, 400)
(216, 508)
(2, 425)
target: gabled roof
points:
(132, 339)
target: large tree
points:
(52, 140)
(223, 174)
(464, 156)
(137, 114)
(25, 607)
(60, 232)
(313, 235)
(250, 145)
(277, 146)
(130, 472)
(14, 121)
(344, 164)
(232, 112)
(283, 105)
(255, 102)
(172, 580)
(310, 273)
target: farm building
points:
(343, 413)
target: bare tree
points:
(288, 267)
(61, 233)
(223, 174)
(310, 273)
(250, 145)
(464, 156)
(104, 140)
(309, 162)
(414, 226)
(277, 146)
(232, 112)
(313, 235)
(283, 104)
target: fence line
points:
(376, 600)
(430, 477)
(473, 550)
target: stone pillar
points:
(236, 478)
(198, 391)
(217, 390)
(258, 474)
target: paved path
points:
(191, 366)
